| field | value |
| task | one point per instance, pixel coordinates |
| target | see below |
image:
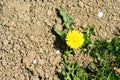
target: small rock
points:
(13, 23)
(11, 28)
(100, 14)
(33, 38)
(41, 61)
(21, 76)
(34, 61)
(17, 46)
(84, 25)
(51, 53)
(38, 59)
(81, 4)
(49, 12)
(57, 52)
(5, 42)
(41, 50)
(10, 37)
(4, 63)
(56, 60)
(48, 22)
(29, 58)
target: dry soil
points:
(28, 48)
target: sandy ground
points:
(28, 48)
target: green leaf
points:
(67, 25)
(76, 66)
(63, 72)
(69, 66)
(76, 78)
(66, 18)
(108, 78)
(87, 33)
(61, 34)
(67, 53)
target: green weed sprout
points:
(73, 38)
(105, 53)
(73, 71)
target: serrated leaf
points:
(66, 18)
(61, 34)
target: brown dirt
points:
(27, 45)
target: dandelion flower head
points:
(74, 39)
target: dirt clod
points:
(29, 58)
(5, 42)
(4, 63)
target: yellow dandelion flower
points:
(74, 39)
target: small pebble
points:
(49, 12)
(4, 62)
(100, 14)
(5, 42)
(34, 61)
(56, 60)
(48, 22)
(27, 60)
(33, 38)
(57, 51)
(41, 61)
